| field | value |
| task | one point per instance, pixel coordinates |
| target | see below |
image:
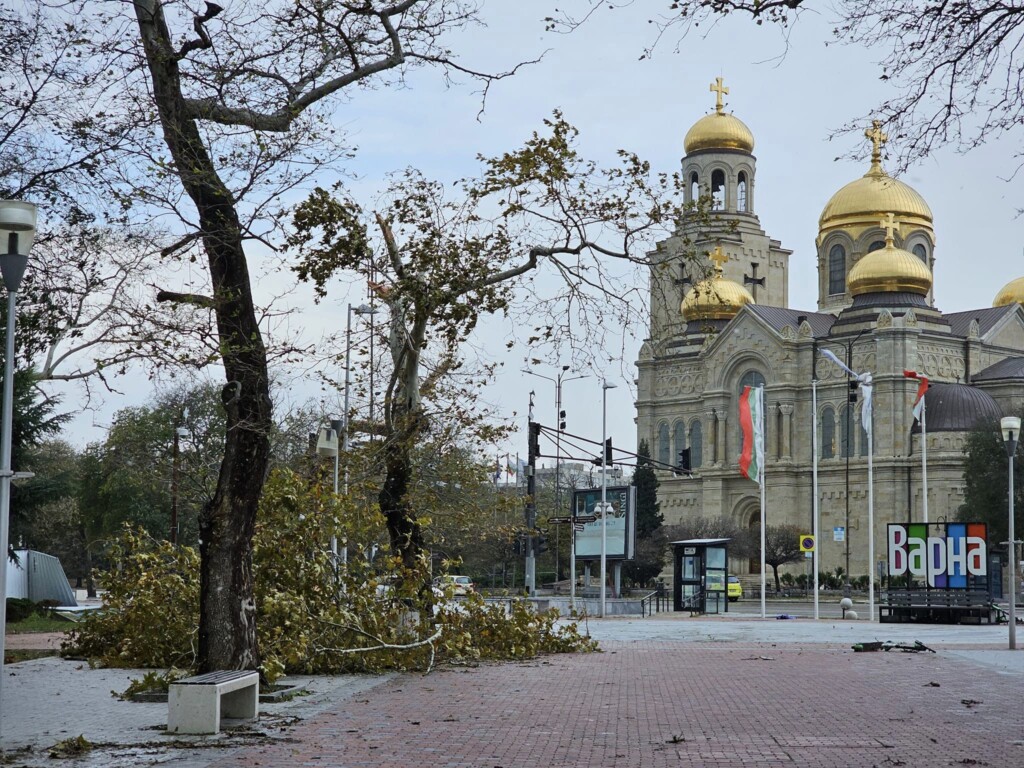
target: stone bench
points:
(197, 704)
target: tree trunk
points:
(227, 622)
(404, 530)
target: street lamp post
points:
(605, 386)
(179, 432)
(17, 231)
(558, 476)
(1011, 434)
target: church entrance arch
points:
(747, 513)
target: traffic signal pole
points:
(533, 449)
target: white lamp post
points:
(17, 231)
(1011, 434)
(605, 386)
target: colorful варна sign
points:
(945, 554)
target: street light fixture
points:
(1011, 434)
(17, 232)
(605, 386)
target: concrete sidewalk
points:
(665, 692)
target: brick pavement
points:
(646, 704)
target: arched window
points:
(846, 431)
(863, 433)
(828, 433)
(750, 379)
(718, 190)
(836, 270)
(680, 441)
(741, 193)
(877, 245)
(696, 444)
(664, 452)
(921, 252)
(694, 187)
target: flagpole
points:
(871, 507)
(814, 490)
(924, 455)
(760, 396)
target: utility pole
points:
(533, 449)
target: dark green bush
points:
(19, 609)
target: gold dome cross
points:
(878, 138)
(719, 257)
(890, 225)
(718, 89)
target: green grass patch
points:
(37, 623)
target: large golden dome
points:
(1012, 292)
(862, 202)
(715, 298)
(718, 130)
(890, 270)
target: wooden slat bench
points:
(197, 704)
(939, 606)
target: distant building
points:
(714, 332)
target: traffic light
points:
(540, 545)
(684, 462)
(561, 420)
(533, 446)
(607, 454)
(853, 391)
(518, 546)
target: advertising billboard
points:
(944, 555)
(620, 529)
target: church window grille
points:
(828, 433)
(836, 270)
(718, 190)
(877, 245)
(664, 453)
(696, 444)
(741, 193)
(694, 187)
(921, 252)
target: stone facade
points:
(691, 373)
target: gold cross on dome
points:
(719, 90)
(719, 257)
(878, 138)
(890, 225)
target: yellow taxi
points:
(734, 591)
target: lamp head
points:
(17, 233)
(1011, 430)
(327, 443)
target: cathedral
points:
(723, 321)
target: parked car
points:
(734, 590)
(460, 585)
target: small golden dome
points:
(715, 298)
(1013, 292)
(864, 201)
(719, 130)
(890, 269)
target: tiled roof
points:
(1010, 368)
(778, 318)
(960, 322)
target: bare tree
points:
(204, 120)
(439, 264)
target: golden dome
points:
(890, 270)
(718, 130)
(1013, 292)
(864, 201)
(715, 298)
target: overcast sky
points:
(792, 97)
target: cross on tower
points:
(890, 225)
(719, 257)
(754, 280)
(719, 90)
(878, 138)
